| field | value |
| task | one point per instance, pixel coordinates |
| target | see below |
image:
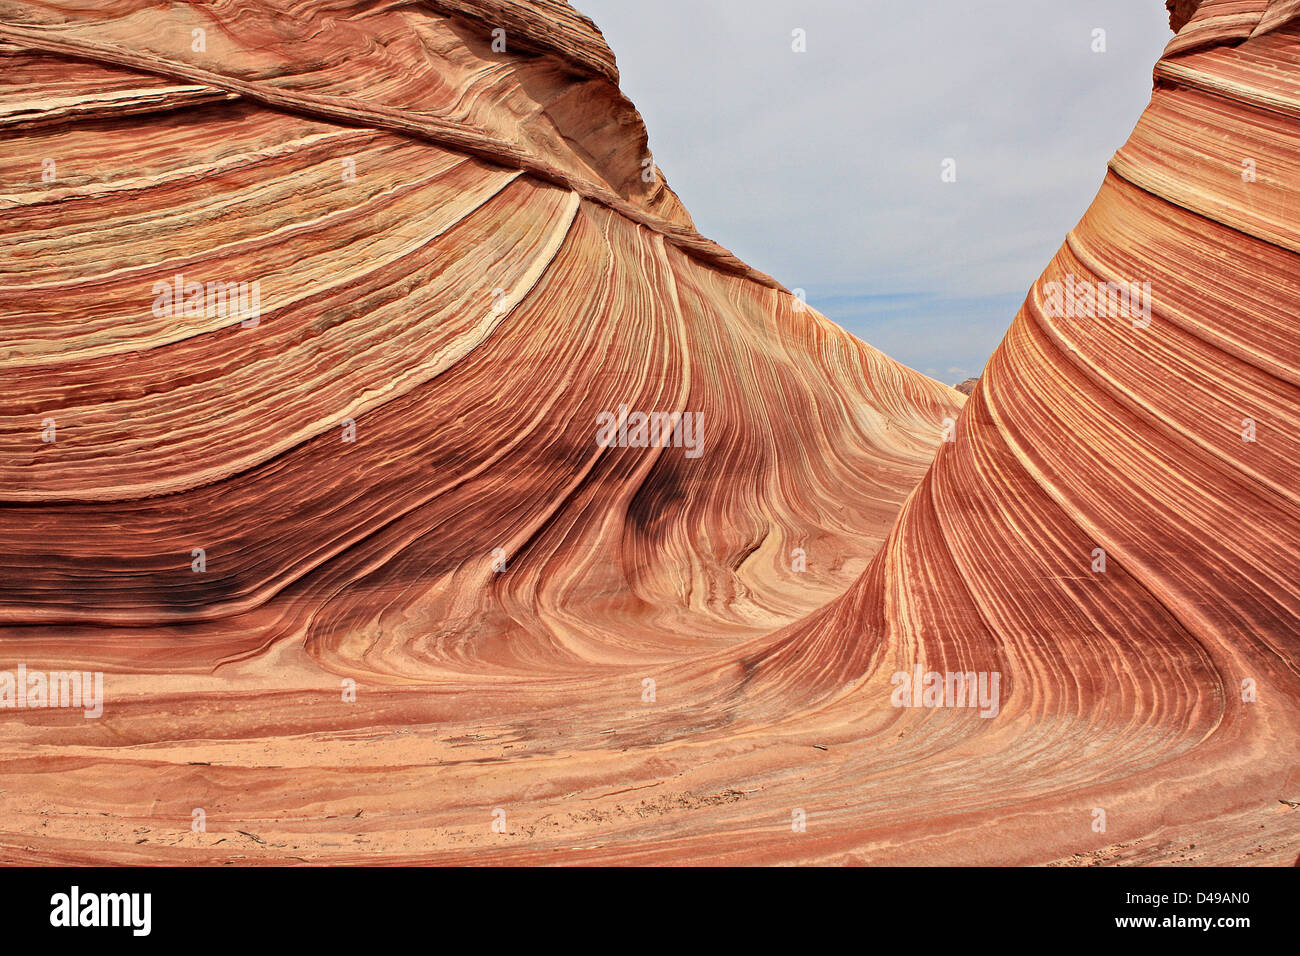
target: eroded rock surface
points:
(386, 481)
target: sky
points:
(823, 168)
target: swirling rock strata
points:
(368, 586)
(1113, 528)
(381, 466)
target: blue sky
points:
(823, 168)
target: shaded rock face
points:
(333, 337)
(967, 386)
(1180, 11)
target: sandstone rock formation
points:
(368, 584)
(461, 258)
(1180, 11)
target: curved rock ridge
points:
(330, 338)
(489, 624)
(1205, 23)
(1115, 528)
(422, 70)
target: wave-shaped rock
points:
(315, 316)
(1113, 529)
(386, 558)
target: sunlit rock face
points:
(428, 489)
(1115, 528)
(364, 344)
(1202, 23)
